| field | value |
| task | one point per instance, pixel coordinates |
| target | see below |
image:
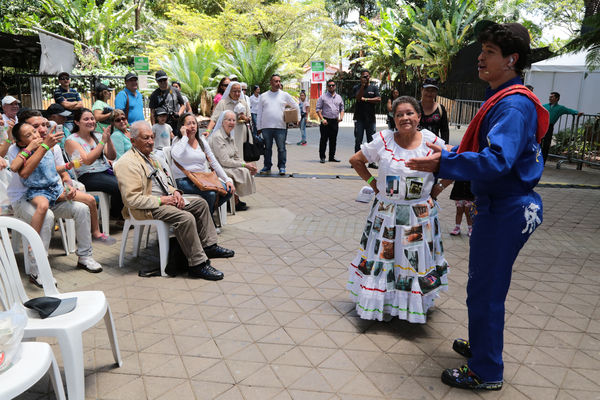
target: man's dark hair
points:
(556, 94)
(27, 113)
(330, 81)
(365, 70)
(510, 41)
(274, 75)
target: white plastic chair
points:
(36, 360)
(103, 210)
(162, 230)
(67, 328)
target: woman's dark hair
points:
(254, 88)
(16, 131)
(511, 38)
(181, 122)
(220, 88)
(392, 94)
(77, 117)
(175, 83)
(406, 100)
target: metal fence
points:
(576, 139)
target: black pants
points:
(546, 142)
(105, 182)
(328, 133)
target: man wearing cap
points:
(58, 114)
(130, 100)
(367, 97)
(10, 108)
(500, 154)
(148, 193)
(168, 98)
(67, 97)
(556, 111)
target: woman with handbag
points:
(195, 168)
(224, 147)
(233, 101)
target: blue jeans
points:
(211, 197)
(279, 135)
(254, 130)
(360, 127)
(303, 127)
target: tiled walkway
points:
(281, 325)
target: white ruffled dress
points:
(400, 267)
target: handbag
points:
(205, 181)
(253, 151)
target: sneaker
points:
(464, 378)
(265, 171)
(282, 171)
(304, 143)
(455, 231)
(104, 239)
(470, 231)
(89, 264)
(300, 143)
(462, 347)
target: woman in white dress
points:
(400, 267)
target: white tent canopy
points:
(568, 75)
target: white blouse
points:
(194, 160)
(396, 182)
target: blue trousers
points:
(500, 229)
(360, 127)
(303, 126)
(279, 135)
(211, 197)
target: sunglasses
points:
(331, 85)
(120, 119)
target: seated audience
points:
(101, 109)
(24, 210)
(94, 170)
(224, 148)
(157, 198)
(191, 151)
(120, 133)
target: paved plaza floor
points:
(281, 324)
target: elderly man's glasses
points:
(119, 119)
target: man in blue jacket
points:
(500, 154)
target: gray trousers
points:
(80, 212)
(193, 228)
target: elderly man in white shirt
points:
(271, 124)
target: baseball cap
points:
(57, 109)
(130, 75)
(160, 75)
(51, 306)
(9, 100)
(366, 194)
(430, 82)
(101, 86)
(160, 111)
(64, 73)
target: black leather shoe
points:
(334, 160)
(147, 273)
(216, 251)
(322, 161)
(241, 206)
(205, 271)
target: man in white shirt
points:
(24, 210)
(269, 121)
(10, 108)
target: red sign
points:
(318, 76)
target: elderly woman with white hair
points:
(233, 100)
(224, 148)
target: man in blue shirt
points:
(130, 100)
(67, 97)
(500, 155)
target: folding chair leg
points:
(126, 227)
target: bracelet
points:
(100, 143)
(22, 157)
(370, 180)
(8, 141)
(243, 164)
(25, 154)
(68, 165)
(45, 146)
(159, 201)
(29, 152)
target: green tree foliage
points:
(589, 41)
(195, 67)
(252, 61)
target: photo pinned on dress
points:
(376, 246)
(389, 232)
(380, 266)
(421, 211)
(386, 209)
(363, 241)
(404, 283)
(365, 266)
(412, 235)
(436, 227)
(392, 186)
(412, 256)
(377, 222)
(368, 226)
(414, 187)
(403, 214)
(391, 279)
(387, 250)
(373, 209)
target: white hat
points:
(365, 195)
(9, 100)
